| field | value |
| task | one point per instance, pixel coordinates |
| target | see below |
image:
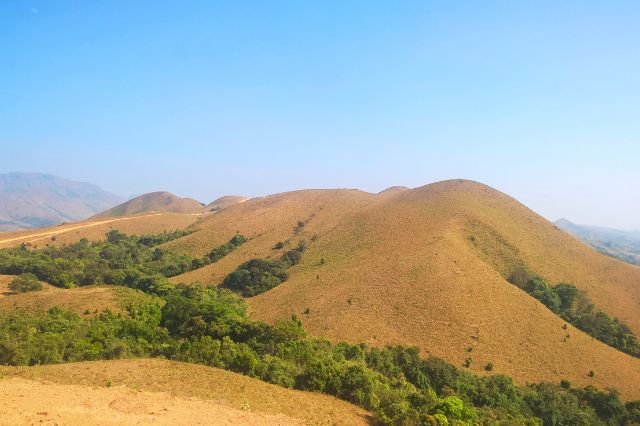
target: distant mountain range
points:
(29, 200)
(623, 245)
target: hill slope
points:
(30, 200)
(623, 245)
(427, 267)
(96, 229)
(153, 202)
(158, 392)
(224, 202)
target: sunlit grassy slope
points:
(158, 392)
(425, 267)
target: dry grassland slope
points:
(426, 267)
(95, 230)
(153, 202)
(158, 392)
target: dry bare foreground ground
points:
(158, 392)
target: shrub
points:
(24, 283)
(256, 276)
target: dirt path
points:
(26, 402)
(72, 228)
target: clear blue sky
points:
(539, 99)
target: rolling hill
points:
(153, 202)
(29, 200)
(425, 267)
(96, 229)
(85, 301)
(224, 202)
(623, 245)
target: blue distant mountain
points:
(623, 245)
(29, 200)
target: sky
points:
(539, 99)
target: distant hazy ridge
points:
(29, 200)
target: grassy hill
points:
(224, 202)
(622, 245)
(86, 301)
(29, 200)
(159, 392)
(153, 202)
(425, 267)
(96, 229)
(428, 267)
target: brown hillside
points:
(158, 392)
(426, 267)
(153, 202)
(83, 300)
(404, 269)
(224, 202)
(95, 230)
(266, 221)
(393, 190)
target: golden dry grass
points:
(224, 202)
(86, 301)
(158, 391)
(153, 202)
(95, 230)
(401, 269)
(4, 285)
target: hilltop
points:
(29, 200)
(153, 202)
(224, 202)
(623, 245)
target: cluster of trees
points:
(259, 275)
(210, 326)
(575, 307)
(220, 252)
(133, 261)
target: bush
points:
(259, 275)
(255, 277)
(24, 283)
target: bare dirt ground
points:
(153, 391)
(26, 402)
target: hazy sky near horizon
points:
(539, 99)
